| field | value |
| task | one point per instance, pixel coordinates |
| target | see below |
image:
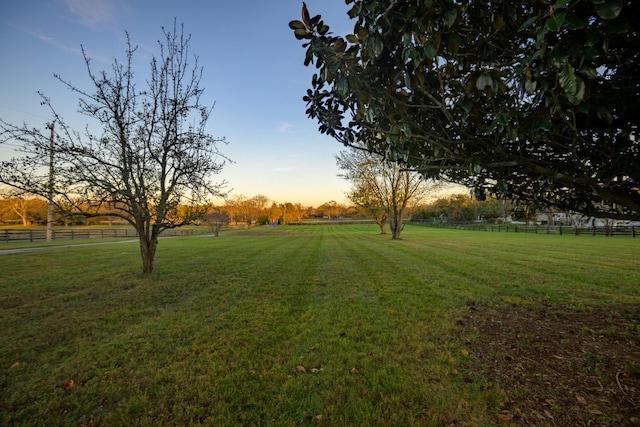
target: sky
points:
(253, 73)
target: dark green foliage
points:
(531, 100)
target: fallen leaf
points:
(69, 384)
(301, 368)
(581, 400)
(354, 371)
(318, 417)
(465, 352)
(505, 418)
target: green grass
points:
(219, 334)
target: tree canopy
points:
(382, 189)
(148, 160)
(533, 100)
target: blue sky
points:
(253, 72)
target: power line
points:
(23, 112)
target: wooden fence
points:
(622, 230)
(10, 235)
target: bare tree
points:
(151, 155)
(26, 208)
(216, 219)
(383, 189)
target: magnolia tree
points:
(532, 100)
(147, 158)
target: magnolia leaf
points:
(450, 17)
(561, 4)
(573, 23)
(315, 20)
(301, 33)
(555, 21)
(339, 45)
(483, 81)
(588, 73)
(530, 86)
(610, 9)
(341, 86)
(352, 39)
(296, 25)
(431, 51)
(568, 80)
(527, 23)
(577, 98)
(355, 10)
(305, 15)
(375, 44)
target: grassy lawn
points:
(289, 326)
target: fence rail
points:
(11, 235)
(620, 230)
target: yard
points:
(326, 325)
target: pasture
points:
(314, 325)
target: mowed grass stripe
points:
(265, 326)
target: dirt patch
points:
(558, 366)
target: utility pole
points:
(50, 204)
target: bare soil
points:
(556, 365)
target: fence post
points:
(561, 230)
(633, 230)
(31, 235)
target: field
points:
(325, 325)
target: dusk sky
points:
(253, 72)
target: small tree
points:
(384, 189)
(216, 219)
(152, 155)
(28, 209)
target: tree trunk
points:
(148, 252)
(383, 226)
(395, 222)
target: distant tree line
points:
(465, 208)
(239, 210)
